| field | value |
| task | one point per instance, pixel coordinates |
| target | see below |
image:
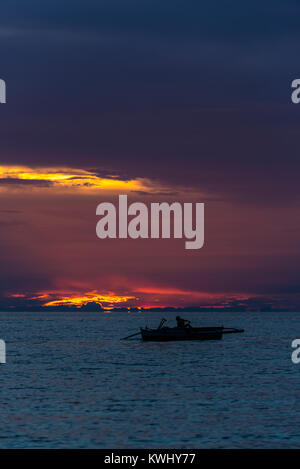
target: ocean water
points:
(69, 382)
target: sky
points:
(162, 101)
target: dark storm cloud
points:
(25, 182)
(186, 92)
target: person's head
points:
(177, 317)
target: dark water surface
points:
(69, 382)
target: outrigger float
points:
(163, 334)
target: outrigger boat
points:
(162, 334)
(188, 333)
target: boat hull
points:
(169, 334)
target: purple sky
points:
(192, 99)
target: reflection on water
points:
(70, 382)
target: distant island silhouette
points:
(93, 307)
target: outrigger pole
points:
(231, 330)
(132, 335)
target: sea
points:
(70, 382)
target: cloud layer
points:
(165, 99)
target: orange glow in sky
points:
(175, 291)
(93, 296)
(69, 178)
(151, 297)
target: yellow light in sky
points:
(89, 297)
(70, 178)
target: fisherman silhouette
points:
(182, 323)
